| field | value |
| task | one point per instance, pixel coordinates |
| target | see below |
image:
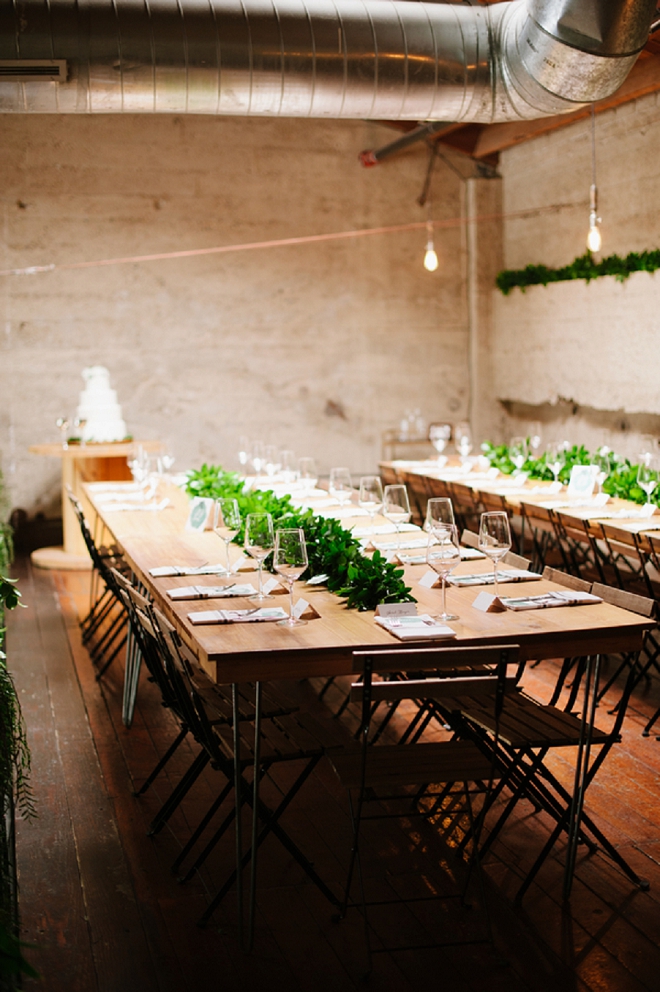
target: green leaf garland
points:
(583, 267)
(333, 551)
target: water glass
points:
(463, 440)
(647, 476)
(290, 561)
(439, 513)
(555, 457)
(396, 508)
(341, 486)
(309, 475)
(439, 435)
(518, 452)
(371, 496)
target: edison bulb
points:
(594, 240)
(430, 259)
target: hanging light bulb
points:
(430, 256)
(594, 240)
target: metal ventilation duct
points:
(377, 59)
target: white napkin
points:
(268, 613)
(550, 599)
(116, 507)
(488, 578)
(166, 570)
(415, 542)
(211, 592)
(416, 628)
(381, 529)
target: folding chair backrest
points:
(435, 659)
(469, 539)
(564, 579)
(641, 605)
(517, 561)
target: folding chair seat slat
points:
(418, 764)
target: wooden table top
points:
(264, 651)
(92, 449)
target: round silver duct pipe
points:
(375, 59)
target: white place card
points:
(199, 513)
(429, 580)
(271, 584)
(582, 480)
(393, 610)
(488, 603)
(299, 608)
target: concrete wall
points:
(318, 348)
(584, 359)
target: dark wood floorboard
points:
(106, 914)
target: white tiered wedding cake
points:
(99, 411)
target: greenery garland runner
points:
(583, 267)
(364, 582)
(622, 480)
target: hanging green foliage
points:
(583, 267)
(364, 582)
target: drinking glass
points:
(494, 538)
(309, 475)
(164, 460)
(140, 465)
(396, 508)
(244, 453)
(271, 460)
(341, 486)
(439, 434)
(258, 457)
(555, 457)
(226, 523)
(288, 466)
(259, 541)
(443, 556)
(647, 476)
(290, 561)
(463, 440)
(601, 461)
(648, 447)
(518, 452)
(62, 423)
(439, 513)
(535, 438)
(371, 496)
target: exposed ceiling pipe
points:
(368, 59)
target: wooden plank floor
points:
(105, 912)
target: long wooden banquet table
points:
(261, 652)
(620, 519)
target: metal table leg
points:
(238, 799)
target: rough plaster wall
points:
(270, 343)
(595, 345)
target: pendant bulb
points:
(430, 258)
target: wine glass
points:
(226, 523)
(62, 423)
(309, 475)
(601, 462)
(439, 513)
(555, 457)
(647, 475)
(463, 440)
(494, 538)
(244, 453)
(290, 561)
(140, 465)
(518, 452)
(258, 457)
(439, 434)
(341, 486)
(288, 466)
(271, 460)
(534, 438)
(648, 447)
(442, 555)
(259, 541)
(396, 508)
(164, 460)
(371, 496)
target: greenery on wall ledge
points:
(584, 267)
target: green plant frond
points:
(332, 551)
(583, 267)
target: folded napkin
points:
(406, 542)
(488, 578)
(262, 614)
(381, 529)
(166, 570)
(117, 507)
(339, 513)
(126, 497)
(108, 487)
(211, 592)
(550, 599)
(467, 554)
(577, 503)
(417, 628)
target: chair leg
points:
(163, 761)
(181, 790)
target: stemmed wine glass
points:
(258, 457)
(164, 461)
(309, 475)
(439, 434)
(396, 508)
(494, 538)
(647, 475)
(439, 513)
(244, 453)
(271, 460)
(371, 496)
(603, 465)
(463, 441)
(290, 561)
(535, 439)
(518, 452)
(259, 541)
(555, 458)
(443, 554)
(62, 423)
(288, 466)
(341, 486)
(226, 523)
